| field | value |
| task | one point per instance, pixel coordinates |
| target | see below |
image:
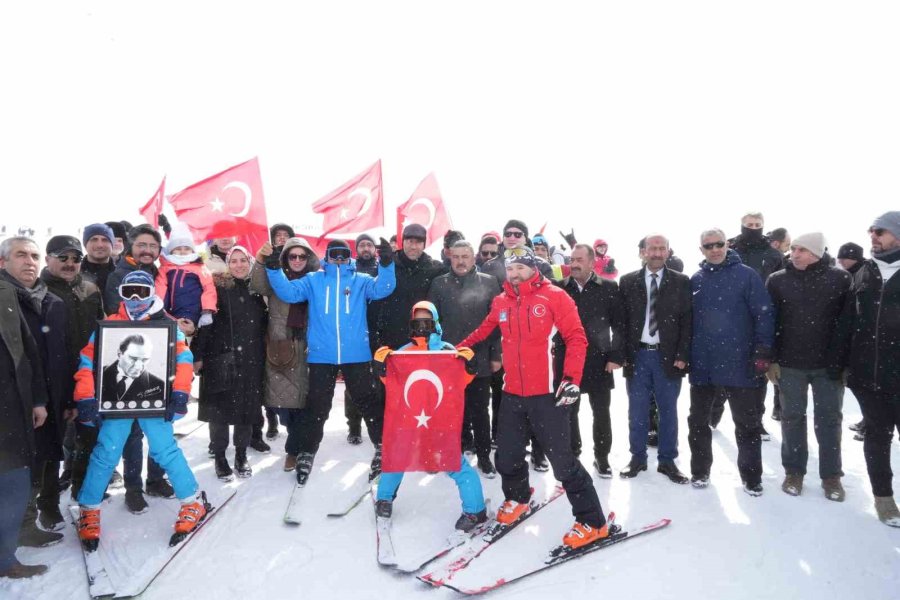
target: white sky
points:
(615, 118)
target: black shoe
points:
(223, 469)
(468, 521)
(672, 472)
(354, 439)
(241, 465)
(161, 488)
(486, 466)
(210, 453)
(272, 430)
(764, 435)
(20, 571)
(260, 446)
(468, 447)
(776, 415)
(375, 467)
(134, 501)
(859, 436)
(603, 468)
(304, 466)
(653, 438)
(861, 426)
(754, 490)
(540, 464)
(32, 537)
(384, 509)
(49, 517)
(65, 480)
(632, 469)
(700, 481)
(116, 480)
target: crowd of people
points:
(538, 325)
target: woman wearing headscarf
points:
(230, 354)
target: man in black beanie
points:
(851, 257)
(120, 234)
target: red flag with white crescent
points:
(427, 208)
(423, 412)
(354, 207)
(153, 208)
(229, 203)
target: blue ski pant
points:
(163, 449)
(467, 482)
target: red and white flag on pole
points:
(153, 208)
(423, 412)
(425, 207)
(229, 203)
(355, 207)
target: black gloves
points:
(385, 252)
(273, 261)
(569, 237)
(163, 222)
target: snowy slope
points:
(722, 543)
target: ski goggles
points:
(338, 254)
(422, 327)
(517, 252)
(135, 290)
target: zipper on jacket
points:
(519, 341)
(337, 314)
(347, 301)
(877, 329)
(327, 297)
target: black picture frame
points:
(149, 345)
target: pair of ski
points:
(343, 504)
(101, 584)
(476, 545)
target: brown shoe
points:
(290, 462)
(20, 571)
(833, 489)
(887, 510)
(792, 484)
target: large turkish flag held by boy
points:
(423, 412)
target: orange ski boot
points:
(583, 534)
(189, 518)
(511, 511)
(89, 528)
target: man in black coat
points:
(23, 400)
(98, 239)
(657, 304)
(45, 314)
(600, 309)
(809, 297)
(463, 299)
(872, 320)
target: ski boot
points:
(241, 465)
(89, 528)
(304, 466)
(189, 518)
(511, 511)
(469, 521)
(583, 534)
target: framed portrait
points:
(134, 365)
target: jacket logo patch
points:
(504, 317)
(539, 310)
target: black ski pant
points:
(537, 454)
(352, 414)
(745, 412)
(551, 424)
(476, 420)
(602, 425)
(360, 381)
(218, 437)
(881, 411)
(718, 407)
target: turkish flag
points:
(423, 412)
(153, 208)
(425, 207)
(356, 206)
(229, 203)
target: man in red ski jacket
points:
(529, 312)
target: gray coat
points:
(287, 374)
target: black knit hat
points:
(452, 236)
(280, 227)
(517, 224)
(118, 229)
(364, 237)
(851, 251)
(416, 231)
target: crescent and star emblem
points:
(430, 377)
(248, 195)
(429, 206)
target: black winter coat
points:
(808, 305)
(98, 273)
(601, 311)
(462, 304)
(239, 327)
(392, 314)
(84, 307)
(758, 255)
(673, 315)
(872, 321)
(22, 385)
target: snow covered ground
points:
(722, 543)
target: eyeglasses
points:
(64, 258)
(339, 254)
(517, 252)
(515, 234)
(879, 231)
(489, 254)
(130, 290)
(298, 257)
(712, 245)
(146, 246)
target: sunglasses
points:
(879, 231)
(489, 254)
(298, 257)
(515, 234)
(64, 258)
(712, 245)
(516, 252)
(339, 254)
(131, 290)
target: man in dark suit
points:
(128, 380)
(657, 304)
